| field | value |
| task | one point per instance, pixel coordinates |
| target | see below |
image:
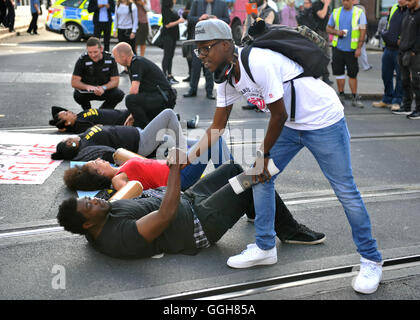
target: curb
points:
(6, 34)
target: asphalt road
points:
(35, 75)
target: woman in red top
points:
(100, 174)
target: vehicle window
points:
(72, 3)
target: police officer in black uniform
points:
(150, 92)
(95, 77)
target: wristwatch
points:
(260, 154)
(104, 87)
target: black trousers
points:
(110, 98)
(410, 80)
(124, 36)
(10, 18)
(169, 45)
(104, 27)
(218, 207)
(144, 106)
(33, 26)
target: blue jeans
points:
(192, 173)
(392, 95)
(331, 148)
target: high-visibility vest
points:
(393, 9)
(355, 31)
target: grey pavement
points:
(22, 20)
(35, 74)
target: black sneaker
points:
(304, 235)
(402, 111)
(415, 115)
(192, 124)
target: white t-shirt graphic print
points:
(317, 105)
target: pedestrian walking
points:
(392, 93)
(143, 26)
(125, 22)
(170, 35)
(409, 60)
(348, 25)
(35, 11)
(102, 19)
(10, 18)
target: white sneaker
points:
(253, 256)
(370, 274)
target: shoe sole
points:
(373, 290)
(267, 261)
(405, 113)
(305, 242)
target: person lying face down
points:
(164, 220)
(141, 141)
(68, 121)
(100, 174)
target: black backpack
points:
(299, 44)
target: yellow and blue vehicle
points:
(71, 19)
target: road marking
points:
(34, 77)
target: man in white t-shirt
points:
(319, 125)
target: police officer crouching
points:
(150, 92)
(95, 77)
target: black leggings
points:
(169, 45)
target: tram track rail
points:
(255, 287)
(311, 197)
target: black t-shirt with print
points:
(120, 238)
(96, 73)
(126, 137)
(88, 118)
(148, 74)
